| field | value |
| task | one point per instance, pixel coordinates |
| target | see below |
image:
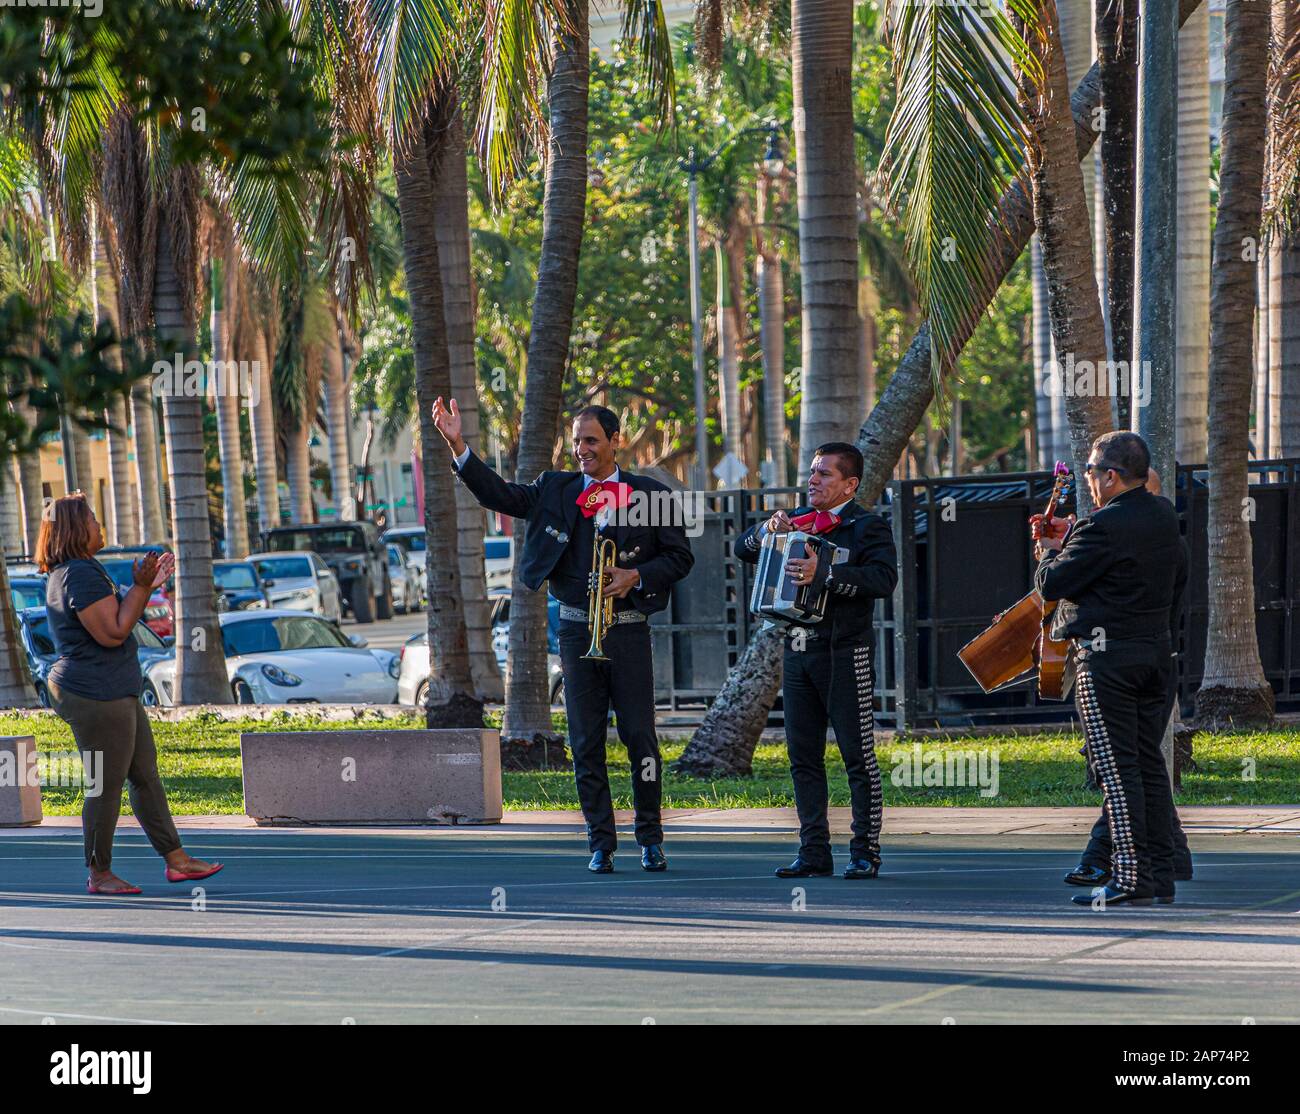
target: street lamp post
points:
(697, 333)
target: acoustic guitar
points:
(1017, 640)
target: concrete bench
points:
(447, 776)
(20, 791)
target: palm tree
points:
(724, 742)
(1065, 232)
(336, 417)
(451, 203)
(1234, 690)
(528, 704)
(1193, 236)
(1284, 244)
(822, 64)
(770, 283)
(225, 278)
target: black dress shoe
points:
(861, 868)
(652, 857)
(1083, 875)
(801, 868)
(602, 862)
(1112, 895)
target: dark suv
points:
(353, 550)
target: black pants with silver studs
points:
(824, 687)
(1122, 697)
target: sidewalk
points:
(1197, 819)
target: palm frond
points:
(412, 43)
(646, 31)
(956, 140)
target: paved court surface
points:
(310, 926)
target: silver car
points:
(300, 581)
(413, 677)
(411, 541)
(405, 580)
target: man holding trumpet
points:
(571, 517)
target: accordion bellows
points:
(775, 594)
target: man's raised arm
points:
(492, 492)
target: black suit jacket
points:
(870, 572)
(660, 553)
(1123, 570)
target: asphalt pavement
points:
(469, 925)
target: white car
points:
(411, 541)
(498, 561)
(300, 581)
(286, 657)
(413, 678)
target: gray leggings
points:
(119, 730)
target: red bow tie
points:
(815, 522)
(601, 494)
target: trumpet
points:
(600, 607)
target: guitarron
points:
(1018, 640)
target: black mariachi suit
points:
(1120, 578)
(830, 679)
(558, 547)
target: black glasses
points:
(1102, 466)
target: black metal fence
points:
(964, 555)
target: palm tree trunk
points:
(144, 423)
(1117, 49)
(451, 208)
(228, 406)
(261, 418)
(200, 659)
(1261, 357)
(452, 700)
(1193, 365)
(822, 54)
(771, 329)
(722, 743)
(1065, 230)
(33, 493)
(1234, 691)
(336, 413)
(16, 689)
(1284, 274)
(528, 702)
(124, 527)
(297, 465)
(11, 514)
(1046, 402)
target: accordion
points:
(775, 594)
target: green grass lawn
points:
(199, 759)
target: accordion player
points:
(775, 594)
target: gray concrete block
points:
(20, 791)
(446, 776)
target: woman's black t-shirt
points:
(85, 667)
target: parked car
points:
(34, 632)
(21, 565)
(241, 584)
(413, 678)
(160, 610)
(498, 561)
(286, 657)
(412, 541)
(406, 578)
(354, 552)
(27, 591)
(299, 582)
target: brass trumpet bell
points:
(600, 608)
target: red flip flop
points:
(93, 889)
(182, 876)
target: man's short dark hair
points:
(603, 414)
(851, 463)
(1125, 452)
